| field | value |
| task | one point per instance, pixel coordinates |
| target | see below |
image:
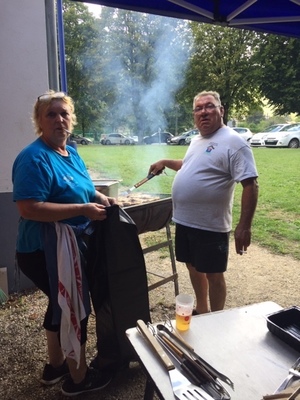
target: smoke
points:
(146, 69)
(171, 61)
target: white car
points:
(289, 136)
(258, 139)
(244, 132)
(116, 138)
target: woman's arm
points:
(50, 212)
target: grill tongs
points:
(196, 369)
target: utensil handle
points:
(142, 327)
(140, 183)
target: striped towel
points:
(70, 293)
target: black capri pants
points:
(33, 265)
(207, 251)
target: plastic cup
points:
(184, 309)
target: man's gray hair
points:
(207, 93)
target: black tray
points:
(286, 325)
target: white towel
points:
(70, 296)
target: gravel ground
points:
(254, 277)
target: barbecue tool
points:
(183, 389)
(190, 351)
(193, 370)
(140, 183)
(294, 373)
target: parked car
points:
(191, 137)
(158, 137)
(289, 136)
(116, 138)
(80, 139)
(258, 139)
(180, 139)
(244, 132)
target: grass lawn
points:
(277, 219)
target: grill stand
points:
(164, 279)
(154, 216)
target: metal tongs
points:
(140, 183)
(197, 370)
(163, 330)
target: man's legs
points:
(217, 291)
(210, 286)
(200, 286)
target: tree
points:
(84, 78)
(222, 61)
(278, 76)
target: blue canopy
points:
(280, 17)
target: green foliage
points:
(222, 61)
(277, 220)
(83, 65)
(278, 72)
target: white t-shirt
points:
(203, 188)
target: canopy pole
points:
(61, 44)
(51, 37)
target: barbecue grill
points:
(150, 212)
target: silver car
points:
(116, 138)
(181, 139)
(289, 136)
(258, 139)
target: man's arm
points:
(158, 167)
(242, 233)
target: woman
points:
(53, 190)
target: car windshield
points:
(294, 127)
(274, 128)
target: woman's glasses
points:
(50, 96)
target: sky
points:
(94, 8)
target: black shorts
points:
(33, 265)
(207, 251)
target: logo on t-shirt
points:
(211, 147)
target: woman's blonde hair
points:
(43, 103)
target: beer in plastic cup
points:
(184, 309)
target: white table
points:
(236, 342)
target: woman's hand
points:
(94, 211)
(102, 199)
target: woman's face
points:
(53, 121)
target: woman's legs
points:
(55, 353)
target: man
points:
(202, 195)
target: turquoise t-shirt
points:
(42, 174)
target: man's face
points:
(208, 115)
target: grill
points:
(151, 216)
